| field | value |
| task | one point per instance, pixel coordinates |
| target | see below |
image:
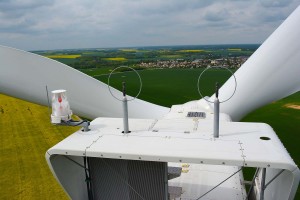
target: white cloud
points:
(53, 24)
(275, 3)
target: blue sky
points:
(62, 24)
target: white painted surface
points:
(239, 143)
(178, 141)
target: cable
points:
(74, 161)
(75, 123)
(88, 178)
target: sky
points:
(69, 24)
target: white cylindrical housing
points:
(60, 107)
(125, 115)
(216, 117)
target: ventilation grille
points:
(128, 179)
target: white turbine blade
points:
(25, 75)
(271, 73)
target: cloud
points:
(53, 24)
(216, 15)
(275, 3)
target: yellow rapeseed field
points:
(64, 56)
(191, 51)
(129, 50)
(25, 135)
(234, 49)
(116, 59)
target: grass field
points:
(97, 71)
(168, 86)
(66, 61)
(26, 132)
(174, 56)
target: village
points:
(230, 62)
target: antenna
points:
(216, 112)
(125, 109)
(124, 98)
(216, 102)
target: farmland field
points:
(168, 86)
(68, 56)
(191, 51)
(97, 71)
(26, 132)
(231, 49)
(112, 57)
(116, 59)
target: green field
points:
(26, 132)
(168, 86)
(97, 71)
